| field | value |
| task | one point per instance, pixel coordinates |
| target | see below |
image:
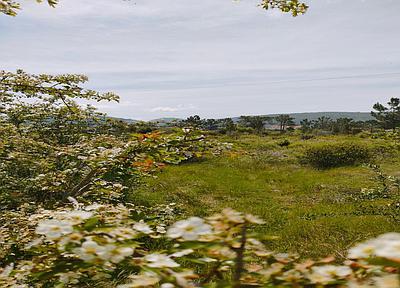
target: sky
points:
(214, 58)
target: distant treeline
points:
(382, 117)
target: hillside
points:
(356, 116)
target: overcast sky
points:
(215, 58)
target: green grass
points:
(312, 211)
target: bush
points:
(335, 155)
(284, 143)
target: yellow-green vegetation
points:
(314, 212)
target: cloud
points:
(172, 109)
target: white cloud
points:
(172, 109)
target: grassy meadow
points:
(313, 212)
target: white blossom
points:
(189, 229)
(142, 227)
(160, 261)
(54, 229)
(89, 250)
(115, 254)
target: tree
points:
(255, 122)
(47, 105)
(227, 125)
(323, 123)
(284, 121)
(11, 7)
(388, 117)
(343, 125)
(371, 125)
(306, 125)
(193, 121)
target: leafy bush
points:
(284, 143)
(336, 154)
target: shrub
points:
(284, 143)
(336, 154)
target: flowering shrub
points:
(110, 245)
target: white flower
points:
(89, 250)
(385, 246)
(328, 273)
(115, 254)
(167, 285)
(161, 229)
(54, 229)
(189, 229)
(123, 233)
(335, 271)
(182, 253)
(232, 215)
(160, 261)
(142, 227)
(388, 246)
(78, 216)
(94, 206)
(363, 250)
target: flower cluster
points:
(96, 244)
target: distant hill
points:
(129, 121)
(356, 116)
(165, 120)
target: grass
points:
(312, 211)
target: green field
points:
(314, 212)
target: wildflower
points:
(115, 254)
(54, 229)
(362, 251)
(233, 216)
(328, 273)
(160, 261)
(78, 216)
(89, 250)
(123, 233)
(71, 238)
(94, 206)
(189, 229)
(167, 285)
(161, 229)
(182, 253)
(253, 219)
(388, 246)
(142, 227)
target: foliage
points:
(284, 121)
(255, 122)
(388, 117)
(335, 155)
(284, 143)
(294, 6)
(52, 148)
